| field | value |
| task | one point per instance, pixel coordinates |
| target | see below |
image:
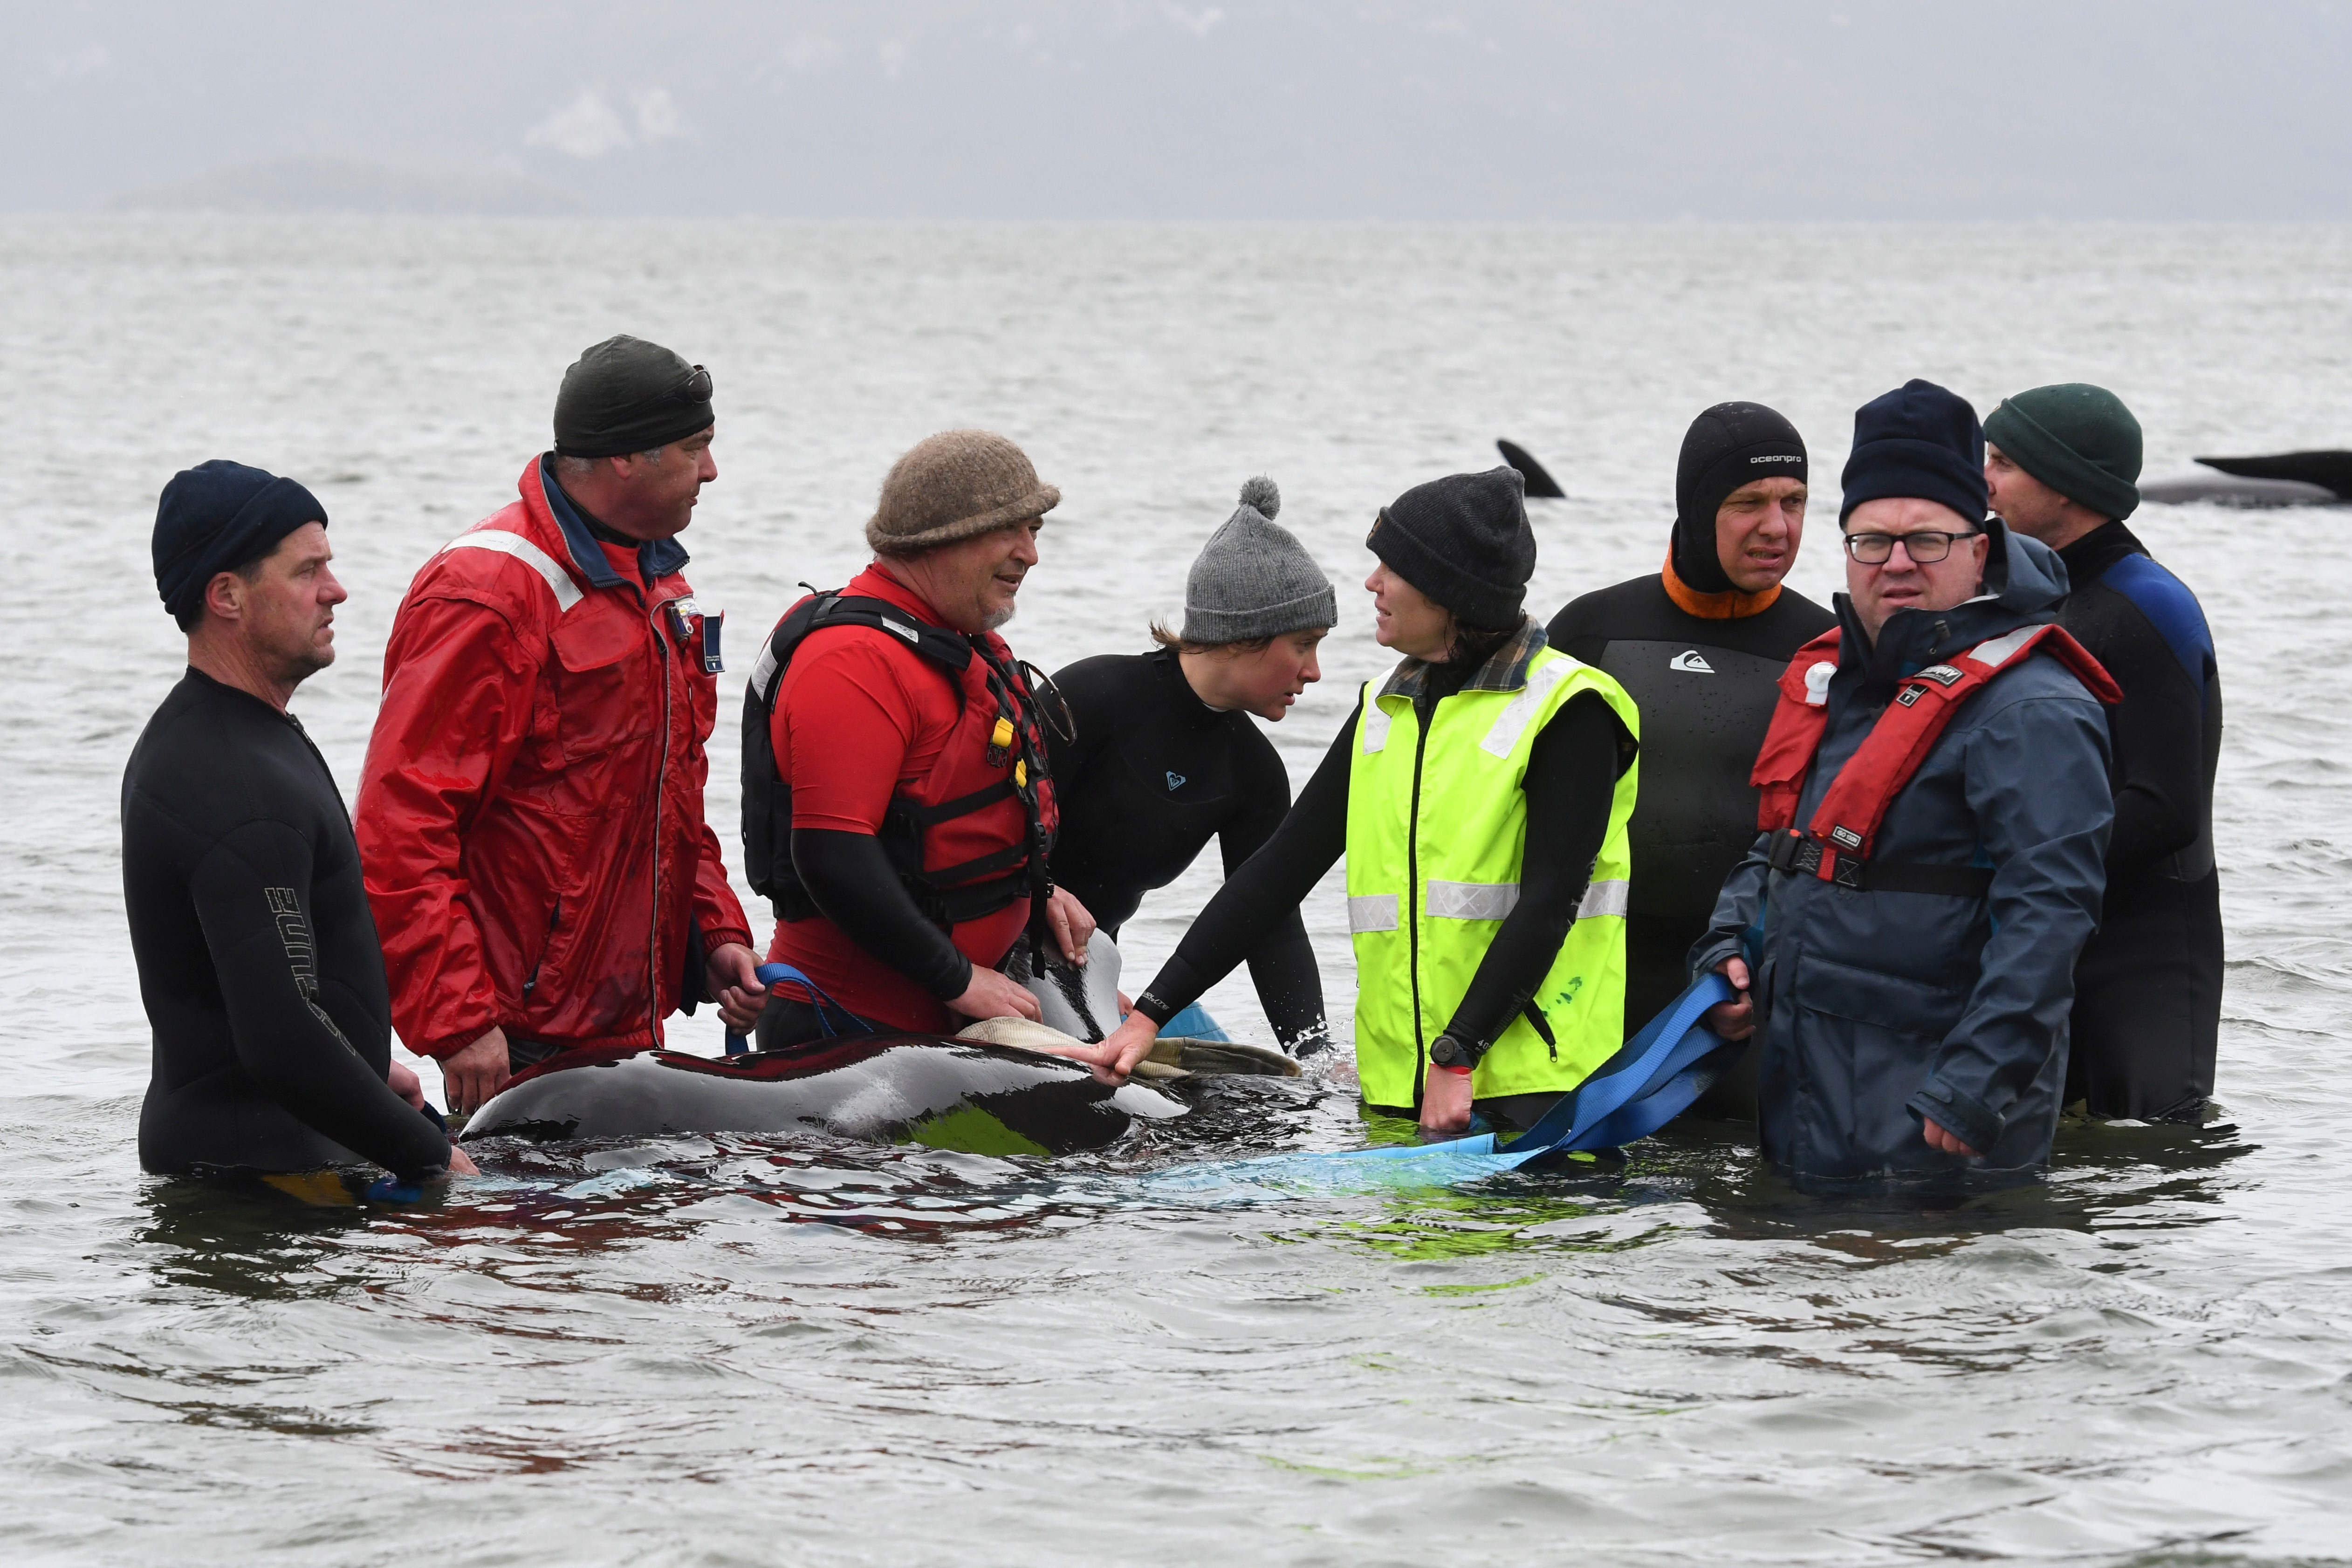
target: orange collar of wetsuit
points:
(1731, 606)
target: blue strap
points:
(1663, 1047)
(1666, 1101)
(1651, 1079)
(770, 974)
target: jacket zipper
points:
(1412, 900)
(661, 785)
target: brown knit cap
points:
(951, 486)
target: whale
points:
(970, 1095)
(2321, 478)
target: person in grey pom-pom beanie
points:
(1254, 578)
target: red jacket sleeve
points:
(458, 692)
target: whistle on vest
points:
(1000, 747)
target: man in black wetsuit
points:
(2063, 463)
(258, 958)
(1700, 644)
(1164, 755)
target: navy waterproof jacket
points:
(1877, 1010)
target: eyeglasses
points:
(1924, 547)
(696, 388)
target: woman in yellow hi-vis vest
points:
(1480, 794)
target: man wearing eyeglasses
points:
(531, 815)
(1935, 810)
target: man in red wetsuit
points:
(897, 807)
(530, 819)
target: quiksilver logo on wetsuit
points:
(1689, 662)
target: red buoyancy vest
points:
(1846, 822)
(971, 837)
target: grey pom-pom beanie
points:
(1254, 578)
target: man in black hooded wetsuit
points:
(1700, 645)
(1164, 755)
(2063, 465)
(258, 958)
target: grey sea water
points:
(748, 1350)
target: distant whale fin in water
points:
(1541, 487)
(2331, 471)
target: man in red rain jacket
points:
(531, 815)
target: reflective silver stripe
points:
(567, 592)
(1603, 898)
(1372, 912)
(1375, 726)
(1521, 709)
(764, 669)
(1471, 900)
(2000, 648)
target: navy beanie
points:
(1919, 441)
(215, 517)
(1464, 541)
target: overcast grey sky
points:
(1507, 109)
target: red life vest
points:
(1845, 824)
(967, 839)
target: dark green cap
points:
(626, 394)
(2078, 439)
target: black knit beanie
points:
(626, 394)
(2078, 439)
(1462, 541)
(1731, 444)
(216, 517)
(1918, 441)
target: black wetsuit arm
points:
(1268, 886)
(251, 890)
(1289, 987)
(856, 887)
(1573, 766)
(2158, 731)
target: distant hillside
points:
(347, 186)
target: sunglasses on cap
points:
(695, 389)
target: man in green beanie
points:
(2061, 462)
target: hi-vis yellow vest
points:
(1436, 833)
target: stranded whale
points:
(892, 1088)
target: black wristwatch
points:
(1447, 1051)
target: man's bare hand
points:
(1072, 926)
(1940, 1138)
(1734, 1019)
(461, 1162)
(1130, 1043)
(992, 994)
(1445, 1101)
(469, 1077)
(731, 976)
(403, 1081)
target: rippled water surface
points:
(724, 1351)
